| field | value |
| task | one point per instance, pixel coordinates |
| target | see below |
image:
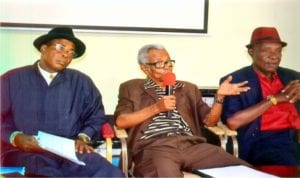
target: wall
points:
(111, 57)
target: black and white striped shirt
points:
(161, 124)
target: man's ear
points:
(250, 52)
(144, 68)
(43, 48)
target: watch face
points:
(85, 139)
(272, 99)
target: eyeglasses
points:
(62, 48)
(162, 64)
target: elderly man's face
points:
(266, 57)
(57, 55)
(157, 55)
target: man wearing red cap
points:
(164, 125)
(47, 96)
(267, 116)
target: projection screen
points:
(170, 16)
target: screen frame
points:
(6, 21)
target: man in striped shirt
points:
(164, 145)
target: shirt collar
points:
(262, 77)
(151, 84)
(46, 74)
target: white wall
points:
(111, 58)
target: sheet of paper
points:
(8, 170)
(61, 146)
(235, 172)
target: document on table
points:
(232, 172)
(61, 146)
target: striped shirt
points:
(161, 124)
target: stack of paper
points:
(61, 146)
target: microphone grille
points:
(169, 78)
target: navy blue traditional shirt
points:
(70, 105)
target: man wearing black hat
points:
(46, 96)
(267, 116)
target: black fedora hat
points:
(64, 33)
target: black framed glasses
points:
(61, 48)
(162, 64)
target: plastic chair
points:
(226, 136)
(113, 146)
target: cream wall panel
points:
(111, 57)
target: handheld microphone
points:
(169, 80)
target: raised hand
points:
(227, 88)
(291, 92)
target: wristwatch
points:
(272, 99)
(219, 100)
(84, 138)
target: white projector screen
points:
(174, 16)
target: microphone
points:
(169, 80)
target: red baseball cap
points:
(265, 34)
